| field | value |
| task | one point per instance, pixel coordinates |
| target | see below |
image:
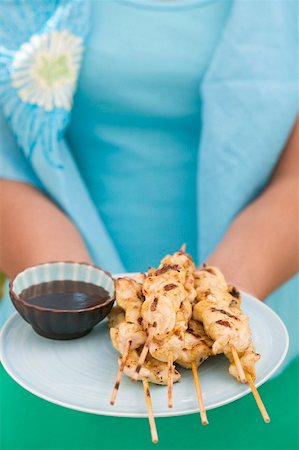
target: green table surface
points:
(27, 422)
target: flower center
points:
(53, 70)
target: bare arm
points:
(33, 230)
(260, 251)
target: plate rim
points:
(115, 413)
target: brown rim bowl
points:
(62, 323)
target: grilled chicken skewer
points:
(164, 294)
(126, 331)
(169, 348)
(122, 332)
(219, 309)
(169, 292)
(224, 321)
(153, 370)
(198, 347)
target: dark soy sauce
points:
(65, 294)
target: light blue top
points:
(203, 92)
(136, 121)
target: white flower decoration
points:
(45, 69)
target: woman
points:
(180, 131)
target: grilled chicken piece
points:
(138, 277)
(219, 310)
(159, 314)
(248, 360)
(116, 316)
(155, 371)
(129, 297)
(159, 281)
(125, 320)
(163, 298)
(225, 326)
(167, 291)
(174, 341)
(183, 316)
(161, 349)
(124, 332)
(197, 346)
(185, 261)
(210, 277)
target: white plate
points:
(80, 374)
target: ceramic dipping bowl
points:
(63, 300)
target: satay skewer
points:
(257, 397)
(202, 409)
(149, 407)
(183, 248)
(170, 380)
(238, 364)
(144, 352)
(120, 372)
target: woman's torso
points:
(136, 120)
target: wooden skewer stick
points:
(183, 248)
(202, 409)
(170, 380)
(257, 397)
(144, 352)
(149, 407)
(120, 372)
(238, 364)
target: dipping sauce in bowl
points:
(63, 300)
(71, 295)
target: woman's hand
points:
(34, 230)
(260, 250)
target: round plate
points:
(80, 374)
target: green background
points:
(28, 422)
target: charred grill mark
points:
(234, 292)
(170, 286)
(139, 320)
(233, 303)
(211, 271)
(222, 311)
(195, 334)
(154, 304)
(192, 331)
(116, 385)
(147, 392)
(138, 368)
(166, 268)
(225, 323)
